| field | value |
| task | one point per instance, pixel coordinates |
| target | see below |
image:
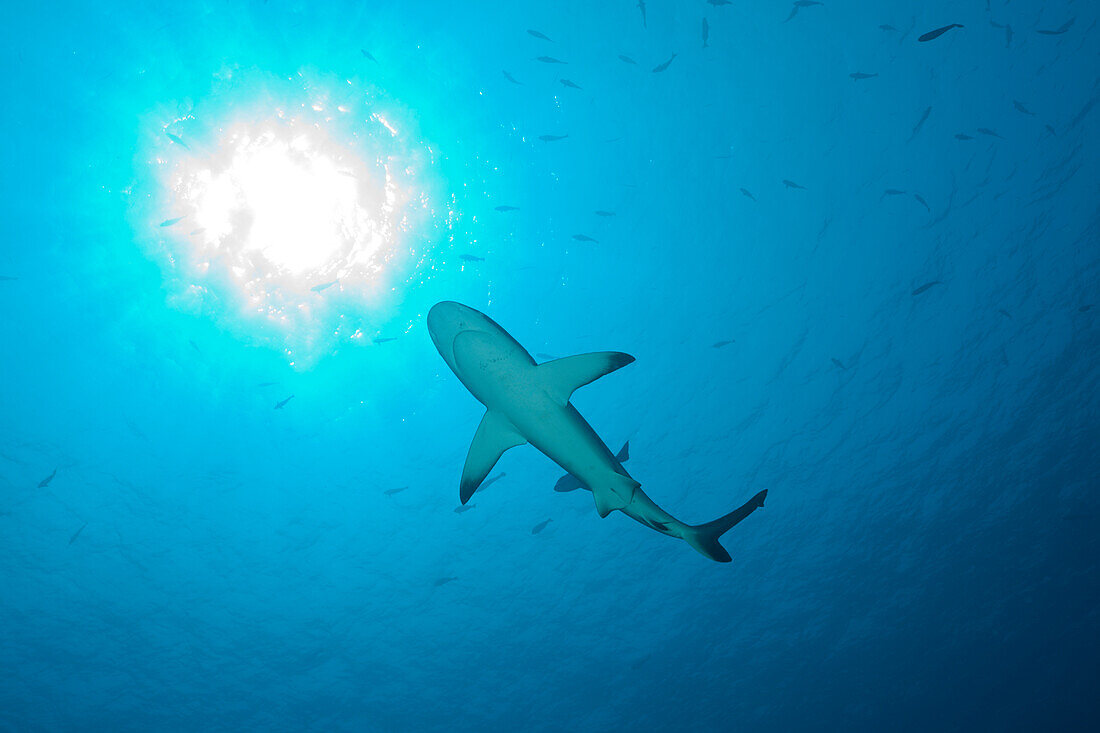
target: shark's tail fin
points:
(704, 537)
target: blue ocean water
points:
(875, 297)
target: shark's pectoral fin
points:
(614, 493)
(494, 436)
(561, 377)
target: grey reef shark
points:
(527, 402)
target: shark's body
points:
(529, 403)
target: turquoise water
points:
(195, 559)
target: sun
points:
(290, 201)
(294, 209)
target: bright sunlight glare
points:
(298, 205)
(283, 199)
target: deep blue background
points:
(928, 555)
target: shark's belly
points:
(566, 438)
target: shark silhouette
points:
(529, 403)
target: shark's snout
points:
(446, 320)
(438, 316)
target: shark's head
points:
(448, 319)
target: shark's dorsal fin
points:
(494, 436)
(562, 377)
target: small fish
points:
(570, 84)
(1085, 308)
(8, 278)
(196, 232)
(887, 27)
(77, 533)
(536, 34)
(933, 35)
(280, 405)
(550, 60)
(177, 140)
(748, 194)
(859, 75)
(552, 138)
(444, 581)
(987, 131)
(962, 136)
(641, 7)
(46, 481)
(798, 5)
(548, 357)
(507, 208)
(471, 258)
(920, 123)
(464, 508)
(720, 344)
(1060, 30)
(267, 384)
(381, 340)
(892, 192)
(170, 222)
(627, 60)
(540, 526)
(926, 287)
(391, 492)
(1021, 108)
(661, 67)
(194, 346)
(924, 203)
(792, 184)
(584, 238)
(323, 286)
(717, 3)
(838, 363)
(1050, 129)
(511, 78)
(1005, 313)
(605, 213)
(368, 55)
(1008, 36)
(706, 32)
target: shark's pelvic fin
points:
(704, 537)
(494, 436)
(615, 492)
(562, 377)
(569, 482)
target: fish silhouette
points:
(933, 35)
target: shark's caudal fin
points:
(704, 537)
(562, 377)
(494, 436)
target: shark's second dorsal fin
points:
(562, 377)
(494, 436)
